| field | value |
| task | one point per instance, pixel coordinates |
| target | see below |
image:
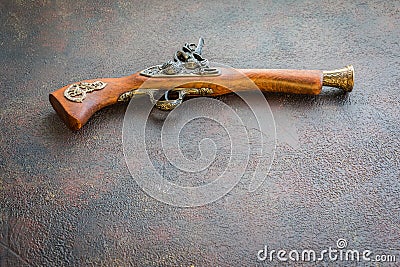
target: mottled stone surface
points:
(67, 198)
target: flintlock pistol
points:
(197, 78)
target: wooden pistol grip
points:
(75, 115)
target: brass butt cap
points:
(339, 78)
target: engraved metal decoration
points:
(125, 97)
(187, 62)
(77, 91)
(166, 104)
(340, 78)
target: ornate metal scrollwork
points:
(77, 91)
(340, 78)
(166, 104)
(186, 62)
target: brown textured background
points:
(67, 198)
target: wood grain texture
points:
(75, 115)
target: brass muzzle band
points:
(340, 78)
